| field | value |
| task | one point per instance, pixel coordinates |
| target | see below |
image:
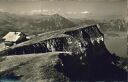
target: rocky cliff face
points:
(77, 54)
(71, 40)
(94, 64)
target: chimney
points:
(15, 32)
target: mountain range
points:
(32, 24)
(36, 24)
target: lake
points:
(117, 44)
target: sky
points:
(67, 8)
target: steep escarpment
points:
(71, 39)
(98, 64)
(95, 64)
(76, 54)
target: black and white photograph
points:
(63, 40)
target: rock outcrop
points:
(97, 64)
(71, 39)
(76, 54)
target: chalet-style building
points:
(12, 38)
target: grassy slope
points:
(33, 67)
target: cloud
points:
(84, 12)
(42, 11)
(49, 12)
(54, 11)
(71, 12)
(38, 11)
(2, 10)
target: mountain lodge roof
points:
(12, 36)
